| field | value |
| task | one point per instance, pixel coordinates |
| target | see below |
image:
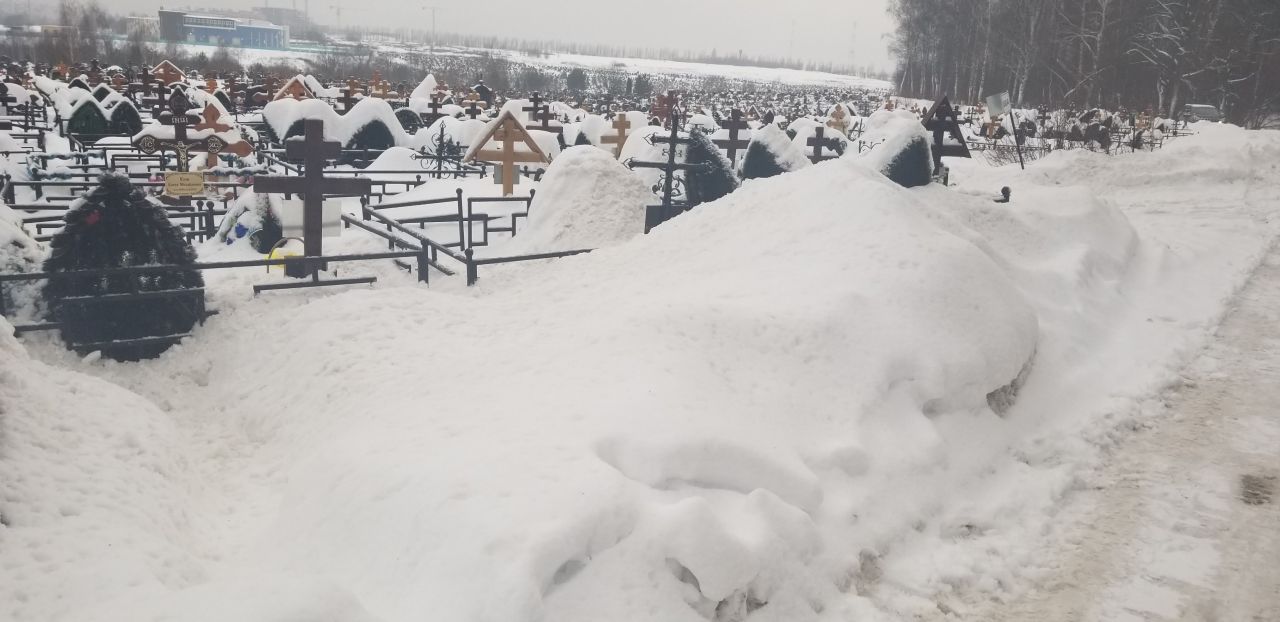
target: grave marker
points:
(735, 124)
(314, 151)
(507, 130)
(619, 137)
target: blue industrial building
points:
(182, 27)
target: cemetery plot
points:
(447, 181)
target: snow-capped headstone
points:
(586, 199)
(771, 153)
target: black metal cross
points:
(734, 124)
(430, 117)
(670, 185)
(314, 151)
(818, 142)
(473, 108)
(541, 113)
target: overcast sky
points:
(851, 32)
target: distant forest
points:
(1161, 54)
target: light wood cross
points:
(507, 131)
(619, 138)
(839, 120)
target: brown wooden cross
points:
(507, 130)
(839, 120)
(314, 151)
(619, 138)
(168, 73)
(294, 89)
(211, 119)
(62, 70)
(178, 117)
(735, 124)
(210, 85)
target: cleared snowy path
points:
(1184, 521)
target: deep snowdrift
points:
(757, 410)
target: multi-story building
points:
(183, 27)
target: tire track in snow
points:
(1181, 525)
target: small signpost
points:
(619, 137)
(735, 124)
(997, 106)
(506, 130)
(314, 151)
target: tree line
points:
(1161, 54)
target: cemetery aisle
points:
(1183, 523)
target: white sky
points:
(851, 32)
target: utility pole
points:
(433, 9)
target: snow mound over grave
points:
(586, 199)
(675, 438)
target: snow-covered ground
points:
(301, 59)
(778, 407)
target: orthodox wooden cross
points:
(619, 137)
(294, 89)
(168, 73)
(818, 141)
(506, 130)
(211, 119)
(839, 120)
(943, 119)
(314, 151)
(735, 124)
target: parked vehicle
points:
(1201, 112)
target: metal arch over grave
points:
(314, 151)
